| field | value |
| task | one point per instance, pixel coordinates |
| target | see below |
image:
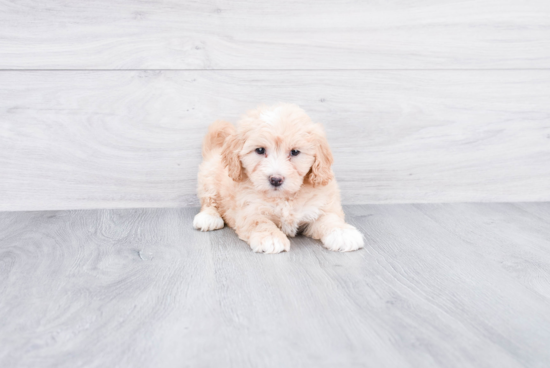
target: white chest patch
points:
(292, 217)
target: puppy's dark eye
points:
(294, 152)
(260, 151)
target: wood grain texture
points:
(252, 34)
(455, 285)
(75, 139)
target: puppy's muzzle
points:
(276, 181)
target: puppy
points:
(271, 178)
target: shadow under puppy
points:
(271, 178)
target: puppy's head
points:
(278, 149)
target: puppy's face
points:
(277, 162)
(277, 149)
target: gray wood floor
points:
(453, 285)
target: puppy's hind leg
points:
(208, 219)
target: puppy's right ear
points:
(230, 156)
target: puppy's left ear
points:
(321, 172)
(232, 145)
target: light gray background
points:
(104, 104)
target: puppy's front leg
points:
(262, 235)
(335, 234)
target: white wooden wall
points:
(104, 103)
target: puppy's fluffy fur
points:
(241, 170)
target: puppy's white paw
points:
(264, 242)
(343, 240)
(206, 222)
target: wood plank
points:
(252, 34)
(71, 140)
(436, 286)
(494, 237)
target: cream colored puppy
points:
(271, 178)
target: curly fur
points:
(234, 182)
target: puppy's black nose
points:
(276, 180)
